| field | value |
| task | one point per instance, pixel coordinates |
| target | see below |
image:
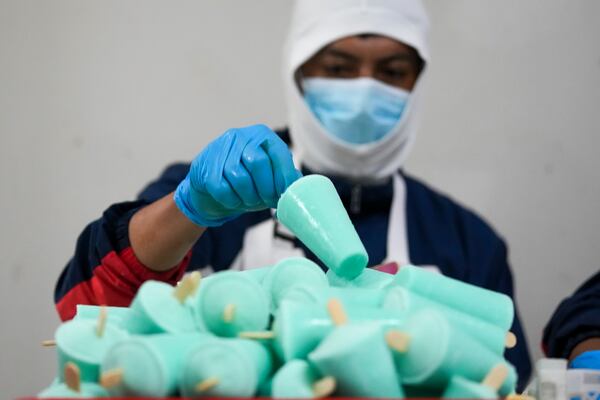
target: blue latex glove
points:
(587, 360)
(245, 169)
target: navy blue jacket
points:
(576, 319)
(440, 232)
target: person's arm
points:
(244, 169)
(591, 344)
(104, 268)
(161, 235)
(574, 328)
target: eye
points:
(395, 73)
(338, 70)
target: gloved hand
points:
(245, 169)
(587, 360)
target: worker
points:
(353, 76)
(573, 332)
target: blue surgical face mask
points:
(358, 111)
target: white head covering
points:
(317, 23)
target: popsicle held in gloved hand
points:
(312, 209)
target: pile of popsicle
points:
(293, 331)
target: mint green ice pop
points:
(115, 315)
(300, 327)
(405, 302)
(148, 365)
(229, 302)
(62, 391)
(494, 307)
(156, 308)
(298, 380)
(84, 343)
(293, 272)
(357, 356)
(436, 351)
(225, 367)
(72, 388)
(311, 208)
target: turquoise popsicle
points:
(78, 341)
(293, 272)
(357, 356)
(150, 365)
(72, 387)
(437, 351)
(155, 309)
(225, 368)
(369, 278)
(406, 302)
(229, 302)
(297, 380)
(313, 211)
(496, 308)
(115, 315)
(299, 328)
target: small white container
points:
(583, 384)
(551, 379)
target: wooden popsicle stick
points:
(397, 341)
(207, 384)
(101, 326)
(111, 378)
(49, 343)
(229, 313)
(195, 279)
(336, 312)
(257, 335)
(496, 377)
(511, 340)
(73, 377)
(324, 387)
(183, 289)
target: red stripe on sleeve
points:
(115, 282)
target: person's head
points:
(365, 56)
(352, 72)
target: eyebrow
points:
(398, 57)
(340, 53)
(349, 57)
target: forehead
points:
(368, 45)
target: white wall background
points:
(96, 97)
